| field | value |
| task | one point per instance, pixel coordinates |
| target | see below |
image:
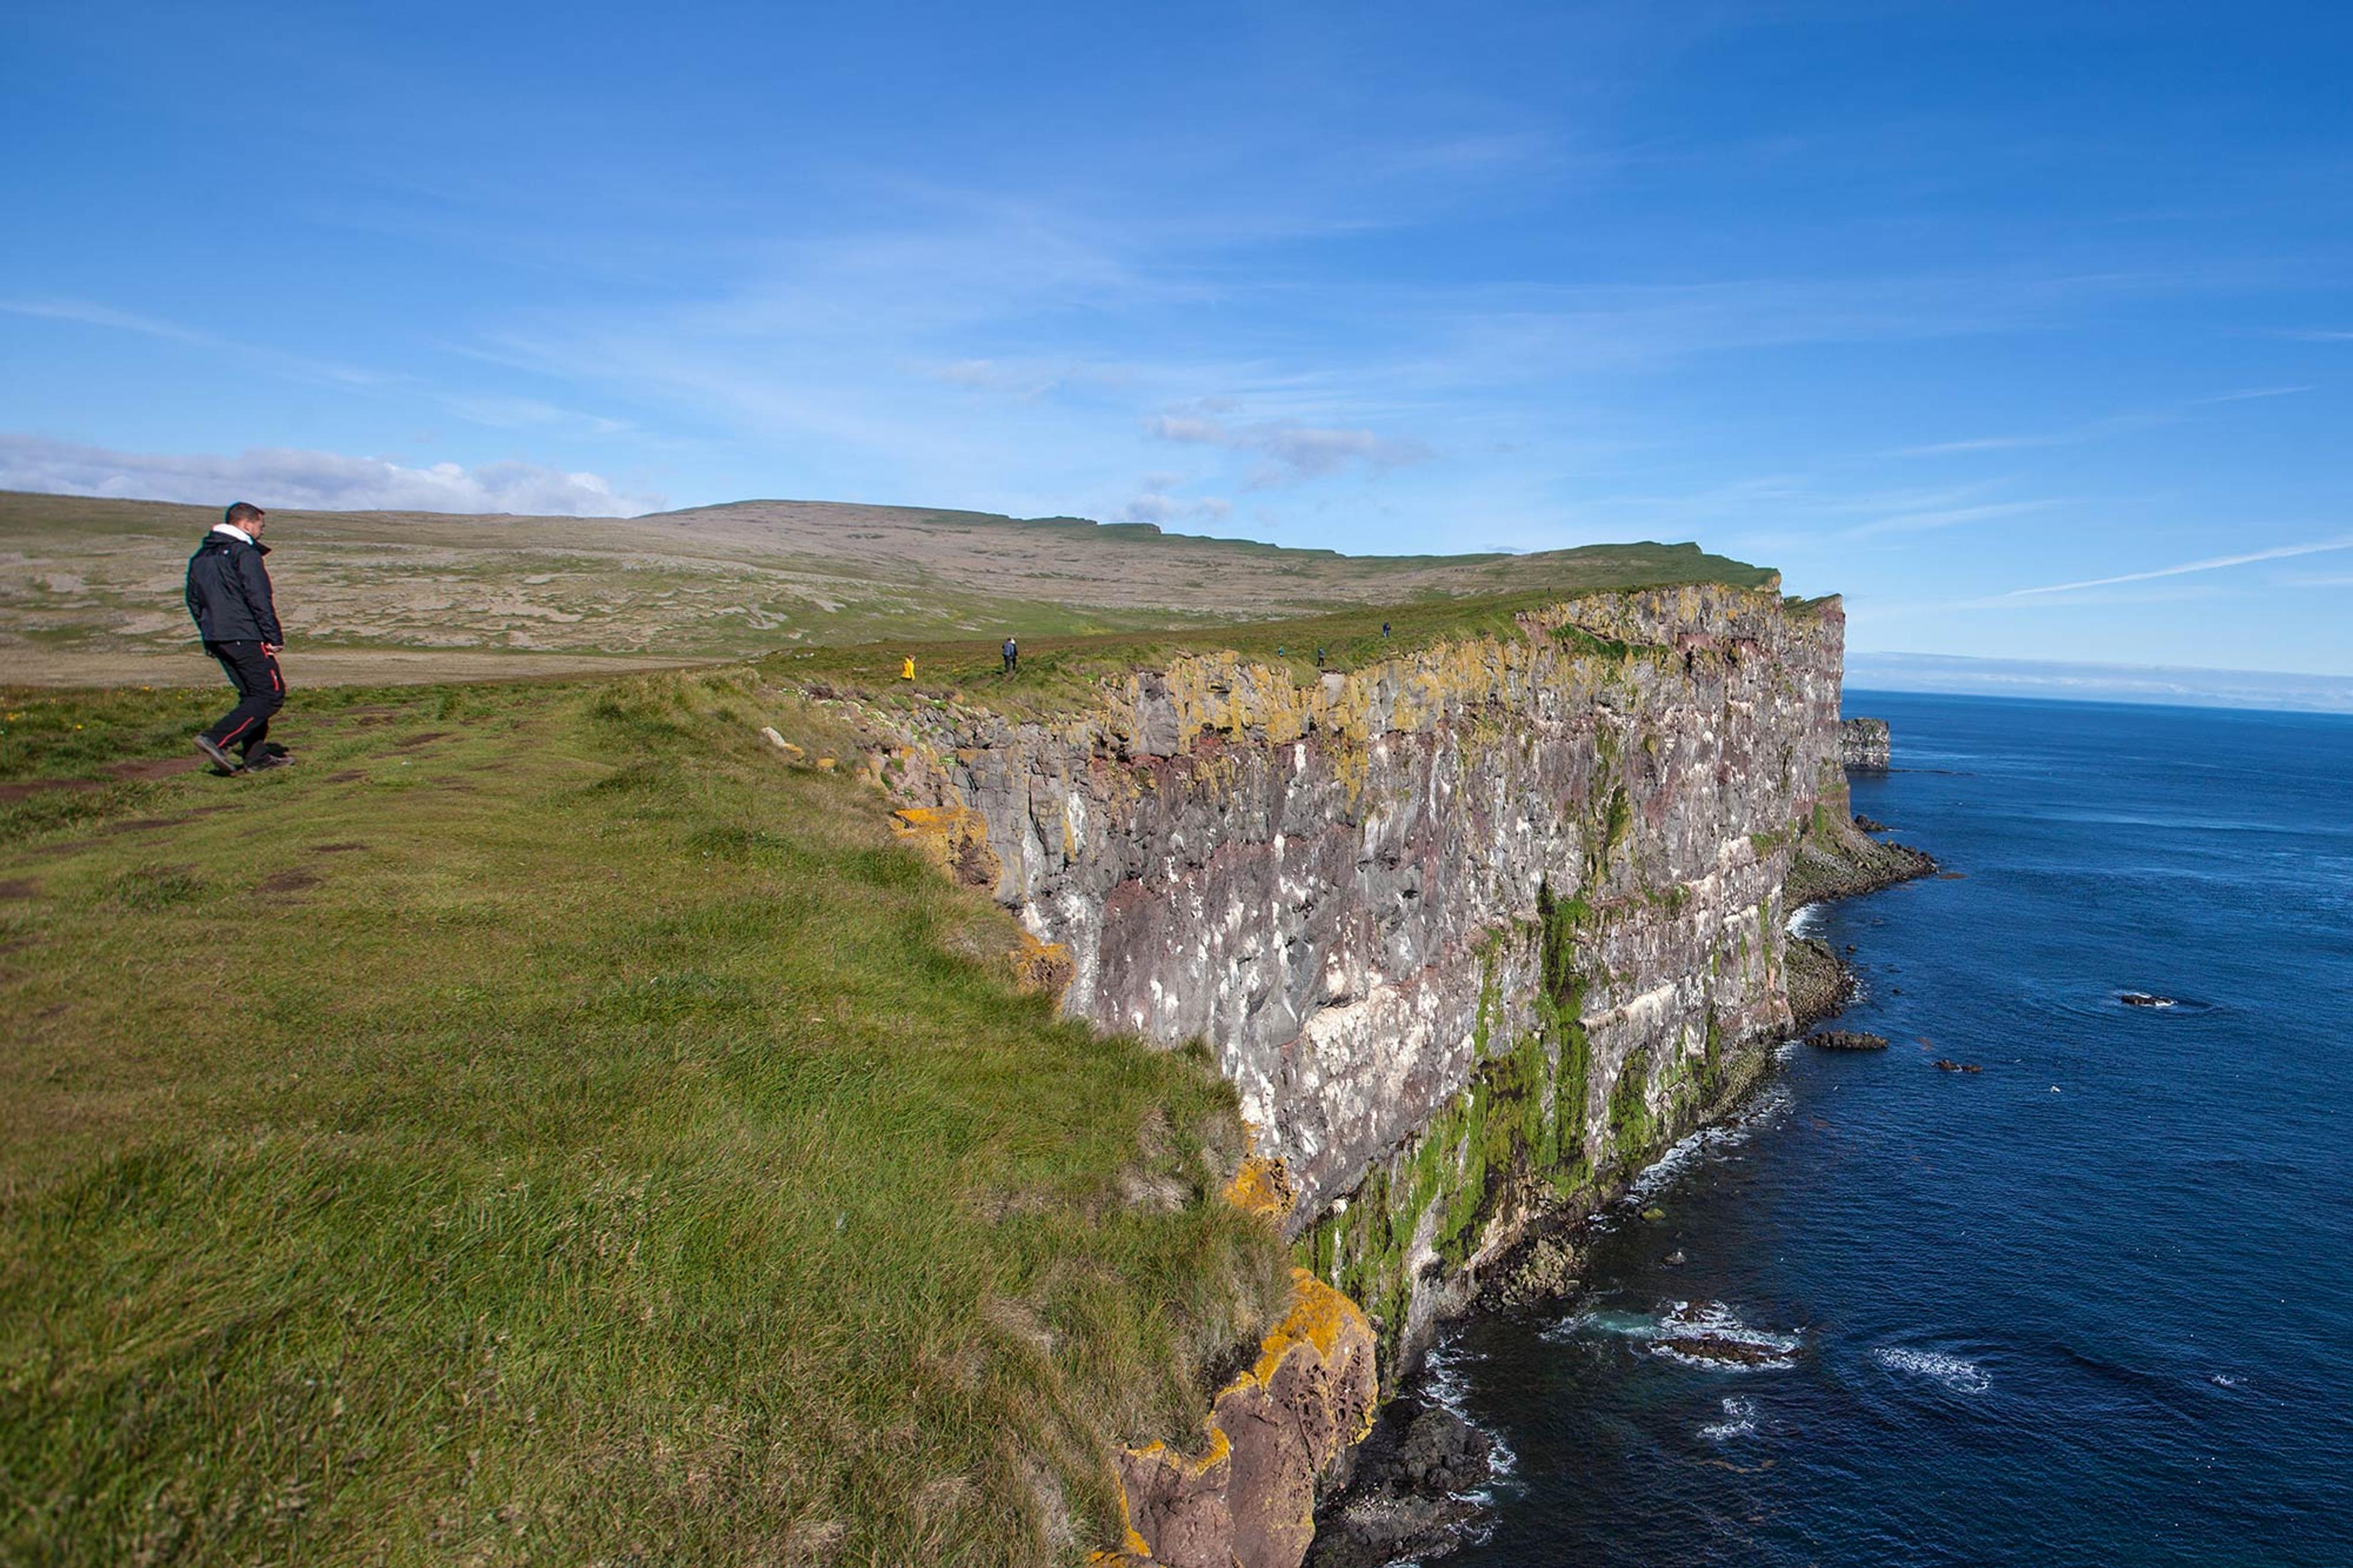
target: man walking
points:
(1012, 652)
(228, 596)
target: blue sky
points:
(2030, 328)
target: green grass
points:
(1061, 674)
(543, 1127)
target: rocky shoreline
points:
(1416, 1492)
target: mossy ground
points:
(542, 1126)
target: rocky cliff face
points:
(1475, 931)
(1864, 743)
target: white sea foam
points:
(1719, 1138)
(1805, 920)
(1598, 1322)
(1684, 1333)
(1740, 1421)
(1444, 1384)
(1960, 1376)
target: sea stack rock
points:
(1846, 1040)
(1864, 743)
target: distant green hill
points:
(89, 589)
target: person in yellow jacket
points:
(907, 669)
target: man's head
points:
(246, 517)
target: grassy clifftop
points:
(1059, 674)
(90, 590)
(543, 1126)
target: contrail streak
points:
(2215, 564)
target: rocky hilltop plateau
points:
(90, 587)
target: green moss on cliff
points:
(1523, 1135)
(1631, 1127)
(1518, 1128)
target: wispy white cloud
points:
(1290, 452)
(1924, 520)
(2252, 391)
(1024, 379)
(87, 313)
(274, 477)
(2094, 429)
(525, 413)
(1509, 152)
(2214, 563)
(83, 312)
(1778, 515)
(1158, 507)
(1483, 333)
(1065, 316)
(2072, 436)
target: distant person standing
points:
(1012, 652)
(228, 596)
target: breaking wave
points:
(1443, 1383)
(1759, 1113)
(1740, 1421)
(1951, 1371)
(1709, 1336)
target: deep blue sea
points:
(2092, 1305)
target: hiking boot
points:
(220, 757)
(275, 750)
(264, 758)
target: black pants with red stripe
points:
(260, 692)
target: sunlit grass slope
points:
(545, 1127)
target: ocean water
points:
(2091, 1305)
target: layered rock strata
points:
(1475, 931)
(1866, 744)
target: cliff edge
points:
(1476, 929)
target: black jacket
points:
(229, 592)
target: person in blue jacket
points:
(228, 597)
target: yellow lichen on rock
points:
(1262, 1187)
(1043, 966)
(1274, 1436)
(955, 837)
(1322, 1320)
